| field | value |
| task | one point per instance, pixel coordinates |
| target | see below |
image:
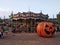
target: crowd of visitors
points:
(16, 28)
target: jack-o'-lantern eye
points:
(46, 25)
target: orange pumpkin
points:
(45, 29)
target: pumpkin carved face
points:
(45, 29)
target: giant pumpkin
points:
(45, 29)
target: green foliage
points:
(58, 18)
(0, 20)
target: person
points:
(6, 28)
(1, 32)
(14, 29)
(58, 28)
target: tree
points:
(0, 20)
(58, 17)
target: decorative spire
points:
(41, 11)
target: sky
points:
(50, 7)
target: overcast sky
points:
(50, 7)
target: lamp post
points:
(53, 20)
(11, 18)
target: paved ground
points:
(29, 39)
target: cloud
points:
(2, 9)
(4, 12)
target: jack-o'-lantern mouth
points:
(49, 32)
